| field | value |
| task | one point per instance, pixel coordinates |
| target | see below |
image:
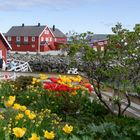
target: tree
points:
(115, 65)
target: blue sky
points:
(97, 16)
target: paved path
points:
(133, 110)
(36, 74)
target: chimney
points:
(53, 27)
(38, 24)
(22, 24)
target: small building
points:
(4, 47)
(37, 38)
(99, 41)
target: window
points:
(47, 32)
(102, 48)
(25, 39)
(47, 39)
(100, 43)
(42, 38)
(17, 38)
(50, 39)
(9, 38)
(18, 45)
(33, 46)
(55, 39)
(33, 38)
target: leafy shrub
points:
(138, 89)
(22, 82)
(129, 127)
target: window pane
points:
(17, 38)
(33, 38)
(25, 39)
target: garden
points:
(58, 108)
(67, 107)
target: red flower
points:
(89, 87)
(54, 80)
(58, 94)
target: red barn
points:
(35, 38)
(4, 47)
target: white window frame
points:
(33, 38)
(33, 46)
(47, 39)
(9, 38)
(25, 39)
(18, 38)
(50, 39)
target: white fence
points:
(20, 66)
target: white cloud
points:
(25, 4)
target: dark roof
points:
(57, 32)
(32, 31)
(25, 31)
(98, 37)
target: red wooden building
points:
(35, 38)
(99, 42)
(4, 47)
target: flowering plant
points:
(67, 94)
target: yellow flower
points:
(16, 106)
(2, 97)
(1, 117)
(37, 80)
(23, 108)
(49, 135)
(19, 132)
(34, 79)
(9, 103)
(19, 116)
(33, 82)
(43, 76)
(27, 97)
(12, 98)
(31, 116)
(34, 137)
(67, 129)
(27, 112)
(74, 93)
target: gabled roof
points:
(32, 31)
(57, 32)
(25, 31)
(5, 40)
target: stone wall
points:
(44, 63)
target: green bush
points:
(138, 89)
(22, 82)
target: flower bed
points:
(57, 108)
(28, 106)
